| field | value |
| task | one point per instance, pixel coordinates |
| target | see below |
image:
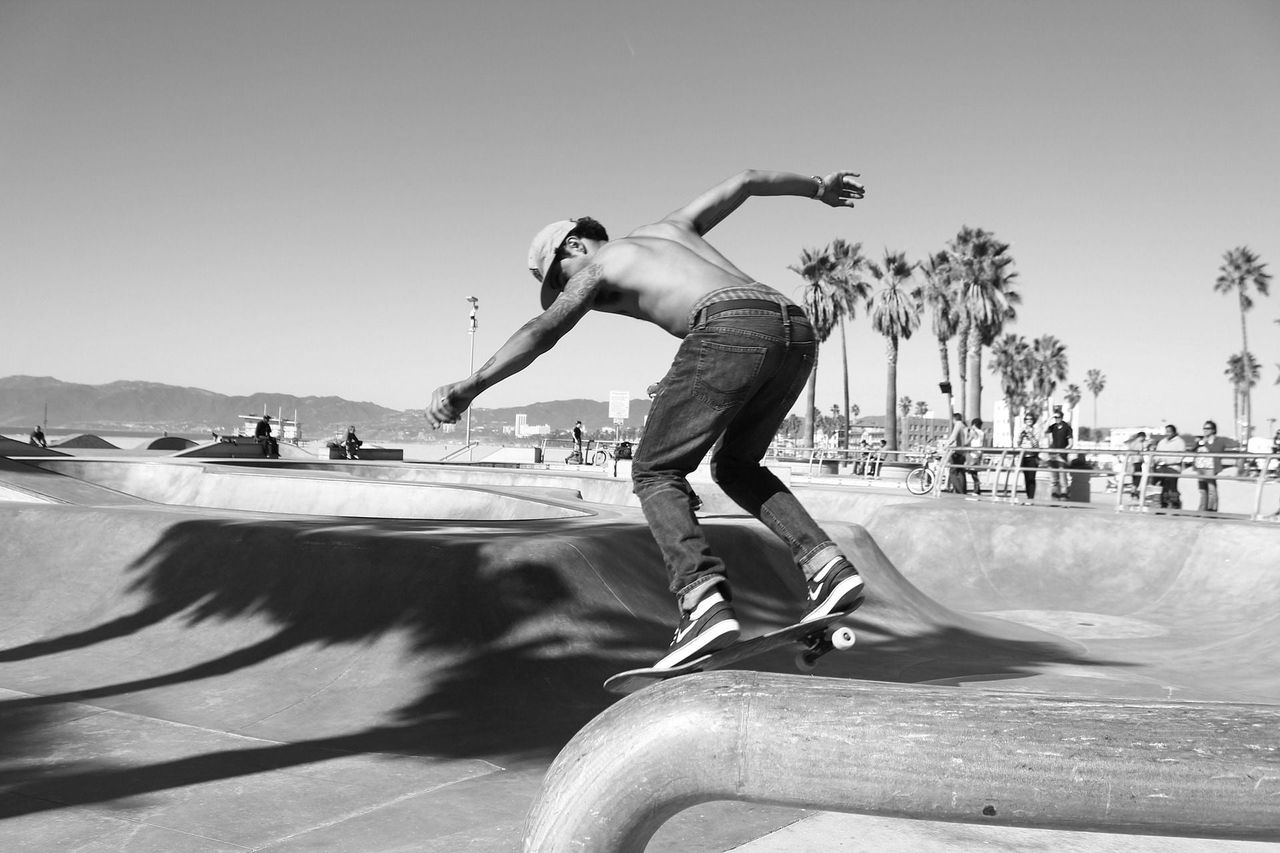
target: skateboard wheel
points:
(842, 639)
(805, 662)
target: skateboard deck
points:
(814, 638)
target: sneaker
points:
(709, 627)
(836, 588)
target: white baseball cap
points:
(543, 262)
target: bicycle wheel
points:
(920, 481)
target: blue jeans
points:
(734, 379)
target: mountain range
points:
(151, 406)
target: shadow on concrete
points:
(508, 632)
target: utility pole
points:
(471, 365)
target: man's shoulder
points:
(665, 229)
(621, 251)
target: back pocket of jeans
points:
(726, 374)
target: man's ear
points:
(573, 245)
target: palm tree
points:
(1242, 269)
(1243, 374)
(1073, 396)
(895, 313)
(1048, 367)
(1095, 381)
(850, 289)
(984, 275)
(816, 267)
(833, 287)
(1011, 359)
(939, 297)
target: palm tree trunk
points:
(844, 351)
(891, 395)
(945, 355)
(1235, 404)
(811, 393)
(1246, 395)
(973, 402)
(962, 352)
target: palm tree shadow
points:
(510, 636)
(495, 634)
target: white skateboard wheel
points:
(842, 639)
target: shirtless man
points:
(745, 355)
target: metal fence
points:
(1133, 479)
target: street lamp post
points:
(471, 364)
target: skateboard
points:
(815, 639)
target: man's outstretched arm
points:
(531, 340)
(838, 189)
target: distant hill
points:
(152, 406)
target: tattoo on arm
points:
(542, 332)
(578, 296)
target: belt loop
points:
(786, 322)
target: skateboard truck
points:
(838, 638)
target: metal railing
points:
(1130, 474)
(1150, 767)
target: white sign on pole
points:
(619, 405)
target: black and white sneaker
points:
(836, 588)
(709, 627)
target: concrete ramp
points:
(26, 481)
(174, 677)
(299, 492)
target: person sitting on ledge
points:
(270, 447)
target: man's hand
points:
(448, 402)
(841, 189)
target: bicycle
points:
(920, 481)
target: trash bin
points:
(1078, 485)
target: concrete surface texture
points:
(179, 677)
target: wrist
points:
(821, 187)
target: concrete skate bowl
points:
(275, 490)
(205, 679)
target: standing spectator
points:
(1209, 466)
(262, 432)
(352, 443)
(954, 456)
(37, 437)
(577, 441)
(1133, 464)
(1060, 438)
(1167, 466)
(976, 438)
(1029, 441)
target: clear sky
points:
(297, 196)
